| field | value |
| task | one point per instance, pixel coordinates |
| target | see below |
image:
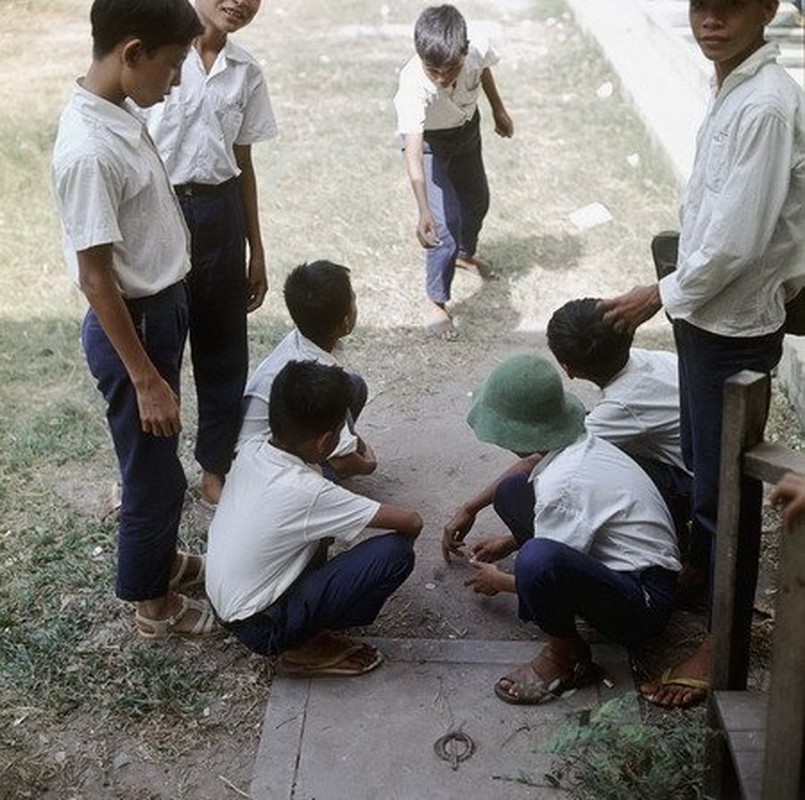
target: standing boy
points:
(126, 248)
(204, 132)
(741, 240)
(321, 303)
(593, 535)
(267, 575)
(438, 118)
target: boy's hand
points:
(790, 494)
(257, 282)
(159, 408)
(493, 549)
(486, 579)
(627, 311)
(503, 124)
(454, 532)
(426, 232)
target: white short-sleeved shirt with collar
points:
(294, 347)
(593, 497)
(742, 228)
(273, 512)
(111, 188)
(423, 105)
(639, 408)
(201, 120)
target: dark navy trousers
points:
(458, 196)
(555, 582)
(152, 478)
(706, 360)
(218, 333)
(345, 592)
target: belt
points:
(190, 189)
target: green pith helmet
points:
(523, 407)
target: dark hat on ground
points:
(523, 407)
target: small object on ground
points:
(455, 747)
(605, 90)
(590, 216)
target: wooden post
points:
(737, 545)
(786, 715)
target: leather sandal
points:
(206, 625)
(179, 582)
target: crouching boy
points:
(268, 576)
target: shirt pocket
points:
(717, 161)
(229, 112)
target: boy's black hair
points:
(579, 339)
(318, 297)
(307, 399)
(157, 23)
(440, 36)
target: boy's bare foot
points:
(685, 684)
(211, 486)
(328, 654)
(439, 324)
(476, 266)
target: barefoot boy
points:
(321, 303)
(204, 132)
(741, 240)
(438, 118)
(593, 535)
(267, 573)
(126, 248)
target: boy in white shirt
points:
(593, 535)
(639, 405)
(204, 132)
(267, 573)
(741, 242)
(126, 247)
(322, 305)
(438, 118)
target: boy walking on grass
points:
(267, 573)
(204, 132)
(741, 240)
(126, 249)
(438, 118)
(321, 303)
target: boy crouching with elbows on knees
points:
(268, 576)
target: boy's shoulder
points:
(235, 51)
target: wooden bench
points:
(760, 753)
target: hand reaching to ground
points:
(455, 531)
(489, 580)
(494, 548)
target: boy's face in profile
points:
(149, 77)
(729, 31)
(444, 74)
(227, 16)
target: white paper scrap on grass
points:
(590, 216)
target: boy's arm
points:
(258, 280)
(157, 403)
(415, 167)
(395, 518)
(362, 462)
(461, 522)
(489, 580)
(503, 122)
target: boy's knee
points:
(541, 561)
(396, 552)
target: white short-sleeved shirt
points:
(423, 105)
(201, 120)
(273, 512)
(639, 408)
(742, 228)
(591, 496)
(111, 188)
(294, 347)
